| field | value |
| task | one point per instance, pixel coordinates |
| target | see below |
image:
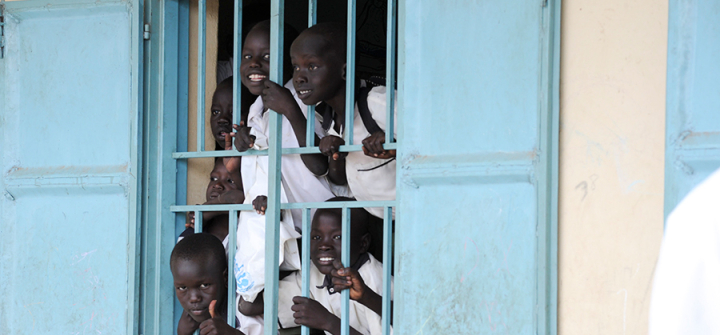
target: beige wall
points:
(612, 126)
(199, 169)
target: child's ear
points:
(344, 71)
(365, 242)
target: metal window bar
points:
(275, 152)
(202, 12)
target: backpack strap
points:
(367, 119)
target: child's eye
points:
(266, 56)
(296, 68)
(215, 112)
(313, 67)
(181, 288)
(213, 178)
(246, 56)
(336, 237)
(230, 181)
(315, 237)
(204, 285)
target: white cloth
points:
(298, 185)
(363, 319)
(255, 325)
(686, 289)
(368, 178)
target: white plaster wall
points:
(612, 126)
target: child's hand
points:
(190, 220)
(260, 204)
(347, 278)
(186, 325)
(243, 139)
(373, 146)
(278, 98)
(215, 325)
(329, 146)
(308, 312)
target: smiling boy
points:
(199, 270)
(318, 58)
(363, 278)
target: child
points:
(299, 184)
(318, 57)
(328, 276)
(199, 270)
(224, 188)
(222, 111)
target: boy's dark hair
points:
(334, 36)
(226, 83)
(199, 247)
(359, 217)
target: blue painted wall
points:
(693, 97)
(475, 189)
(68, 126)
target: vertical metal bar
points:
(387, 270)
(305, 261)
(202, 8)
(198, 221)
(272, 216)
(390, 73)
(312, 12)
(310, 134)
(237, 52)
(232, 232)
(345, 296)
(350, 74)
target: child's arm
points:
(256, 307)
(243, 142)
(329, 146)
(216, 325)
(280, 99)
(186, 325)
(348, 278)
(309, 312)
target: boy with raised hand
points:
(364, 276)
(199, 270)
(318, 58)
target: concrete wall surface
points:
(612, 126)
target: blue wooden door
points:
(68, 151)
(693, 97)
(476, 224)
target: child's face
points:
(317, 75)
(326, 242)
(221, 117)
(255, 61)
(197, 283)
(221, 181)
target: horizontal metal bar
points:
(285, 151)
(294, 205)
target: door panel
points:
(69, 170)
(693, 97)
(477, 181)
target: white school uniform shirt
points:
(370, 179)
(686, 289)
(298, 185)
(362, 318)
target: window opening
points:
(275, 152)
